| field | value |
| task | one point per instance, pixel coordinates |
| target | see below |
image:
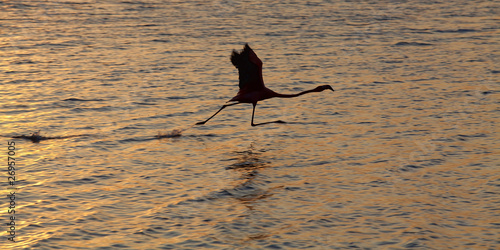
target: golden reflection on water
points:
(403, 154)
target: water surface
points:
(404, 154)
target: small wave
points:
(456, 31)
(412, 44)
(145, 103)
(81, 100)
(161, 40)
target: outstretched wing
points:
(249, 68)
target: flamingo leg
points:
(253, 113)
(223, 106)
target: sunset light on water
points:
(100, 101)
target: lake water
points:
(404, 154)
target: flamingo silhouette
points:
(252, 88)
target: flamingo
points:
(252, 88)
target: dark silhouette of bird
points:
(252, 88)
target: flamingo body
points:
(254, 96)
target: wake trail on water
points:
(37, 137)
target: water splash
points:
(172, 134)
(36, 137)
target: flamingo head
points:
(323, 87)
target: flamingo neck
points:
(295, 95)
